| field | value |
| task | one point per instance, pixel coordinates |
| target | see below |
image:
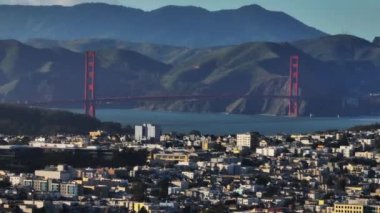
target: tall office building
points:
(147, 132)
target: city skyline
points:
(333, 17)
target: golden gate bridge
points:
(90, 100)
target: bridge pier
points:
(89, 84)
(294, 86)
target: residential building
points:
(180, 157)
(348, 208)
(147, 132)
(60, 172)
(244, 140)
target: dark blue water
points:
(213, 123)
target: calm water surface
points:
(214, 123)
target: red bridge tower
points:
(293, 86)
(89, 84)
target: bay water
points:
(222, 124)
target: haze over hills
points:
(171, 25)
(164, 53)
(335, 83)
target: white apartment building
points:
(347, 151)
(139, 133)
(268, 151)
(147, 132)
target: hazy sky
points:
(358, 17)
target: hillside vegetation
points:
(18, 120)
(337, 74)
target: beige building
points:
(60, 172)
(348, 208)
(180, 157)
(137, 206)
(95, 134)
(370, 155)
(244, 140)
(205, 144)
(69, 189)
(375, 209)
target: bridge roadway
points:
(154, 98)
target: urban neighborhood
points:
(332, 172)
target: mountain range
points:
(337, 74)
(240, 57)
(170, 25)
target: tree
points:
(343, 141)
(5, 184)
(217, 208)
(164, 184)
(138, 191)
(143, 210)
(195, 132)
(128, 129)
(111, 127)
(340, 184)
(39, 210)
(289, 139)
(262, 179)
